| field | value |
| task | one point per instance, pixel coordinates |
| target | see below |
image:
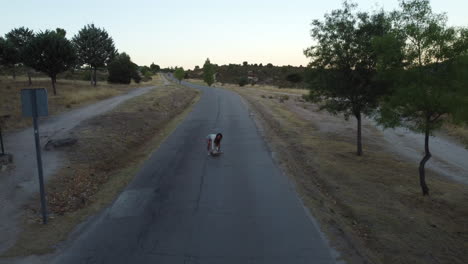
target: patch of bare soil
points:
(371, 206)
(109, 150)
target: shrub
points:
(243, 81)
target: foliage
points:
(146, 71)
(294, 78)
(19, 38)
(243, 81)
(94, 47)
(274, 75)
(208, 72)
(15, 42)
(155, 68)
(179, 73)
(123, 70)
(51, 53)
(344, 62)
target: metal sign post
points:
(34, 104)
(1, 141)
(2, 120)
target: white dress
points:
(212, 138)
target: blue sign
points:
(34, 102)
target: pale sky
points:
(184, 33)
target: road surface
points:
(187, 207)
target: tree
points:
(344, 63)
(123, 70)
(16, 41)
(9, 56)
(208, 72)
(155, 68)
(179, 74)
(145, 70)
(94, 47)
(51, 53)
(427, 89)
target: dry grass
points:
(370, 206)
(196, 81)
(110, 149)
(459, 132)
(70, 94)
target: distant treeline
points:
(245, 73)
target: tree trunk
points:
(427, 156)
(359, 137)
(29, 78)
(54, 80)
(94, 76)
(14, 72)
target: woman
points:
(214, 143)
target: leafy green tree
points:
(16, 41)
(94, 47)
(208, 72)
(9, 56)
(179, 73)
(155, 68)
(427, 90)
(344, 63)
(51, 53)
(123, 70)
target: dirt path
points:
(19, 184)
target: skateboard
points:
(216, 153)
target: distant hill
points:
(281, 76)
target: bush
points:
(243, 81)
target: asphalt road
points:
(187, 207)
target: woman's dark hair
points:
(218, 138)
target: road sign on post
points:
(34, 104)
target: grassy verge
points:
(196, 81)
(110, 149)
(371, 206)
(70, 94)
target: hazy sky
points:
(184, 33)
